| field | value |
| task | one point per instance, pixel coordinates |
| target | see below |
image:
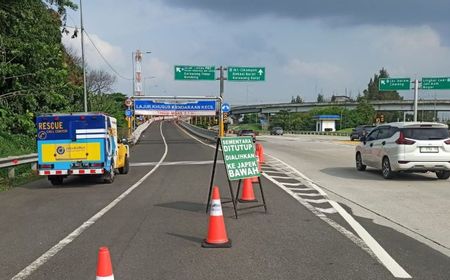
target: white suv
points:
(407, 147)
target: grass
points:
(253, 126)
(15, 145)
(346, 130)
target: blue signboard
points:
(195, 108)
(128, 113)
(226, 108)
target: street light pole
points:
(82, 59)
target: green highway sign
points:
(436, 83)
(239, 157)
(245, 74)
(389, 84)
(190, 72)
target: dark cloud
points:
(378, 12)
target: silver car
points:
(406, 147)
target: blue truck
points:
(80, 144)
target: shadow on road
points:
(373, 174)
(194, 239)
(184, 205)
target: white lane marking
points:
(363, 245)
(316, 201)
(327, 210)
(381, 255)
(169, 163)
(307, 194)
(376, 248)
(282, 177)
(292, 184)
(77, 232)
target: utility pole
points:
(416, 97)
(82, 59)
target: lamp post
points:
(82, 59)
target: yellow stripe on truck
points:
(70, 152)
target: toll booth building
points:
(326, 122)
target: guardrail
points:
(201, 132)
(12, 161)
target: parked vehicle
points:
(360, 130)
(406, 147)
(80, 144)
(247, 132)
(276, 130)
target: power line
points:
(104, 59)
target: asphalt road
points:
(156, 230)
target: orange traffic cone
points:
(217, 234)
(247, 192)
(260, 153)
(104, 267)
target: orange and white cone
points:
(260, 151)
(247, 192)
(217, 234)
(104, 267)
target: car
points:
(360, 131)
(406, 147)
(276, 130)
(247, 132)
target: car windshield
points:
(277, 128)
(426, 133)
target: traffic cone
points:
(217, 234)
(104, 267)
(247, 192)
(260, 152)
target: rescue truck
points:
(80, 144)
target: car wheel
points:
(359, 164)
(386, 169)
(443, 174)
(126, 167)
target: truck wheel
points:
(126, 167)
(56, 180)
(108, 177)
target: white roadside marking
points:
(307, 194)
(380, 254)
(77, 232)
(316, 201)
(376, 248)
(292, 184)
(364, 246)
(327, 210)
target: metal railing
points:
(13, 161)
(200, 132)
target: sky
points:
(307, 47)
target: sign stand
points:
(234, 199)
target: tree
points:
(320, 98)
(297, 99)
(99, 81)
(372, 92)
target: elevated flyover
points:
(383, 106)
